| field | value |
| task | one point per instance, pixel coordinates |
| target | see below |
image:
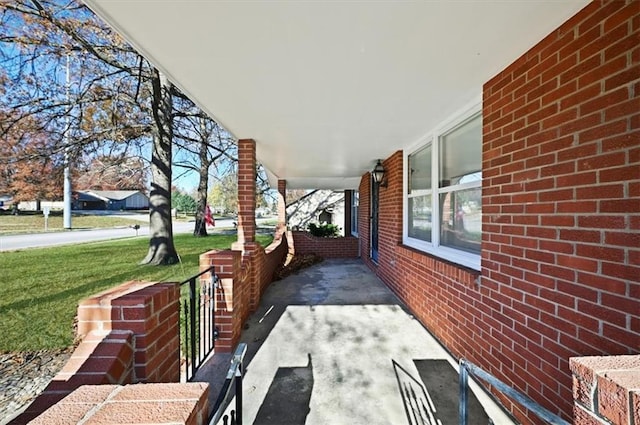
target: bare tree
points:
(118, 101)
(114, 172)
(201, 143)
(161, 247)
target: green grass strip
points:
(41, 288)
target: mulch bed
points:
(295, 264)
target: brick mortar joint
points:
(91, 412)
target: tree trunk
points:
(161, 248)
(203, 183)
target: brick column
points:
(606, 390)
(151, 312)
(246, 192)
(247, 223)
(348, 199)
(231, 296)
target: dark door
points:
(375, 200)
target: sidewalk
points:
(333, 345)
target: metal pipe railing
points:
(468, 368)
(234, 375)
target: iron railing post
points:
(185, 317)
(198, 330)
(464, 392)
(192, 324)
(239, 373)
(234, 375)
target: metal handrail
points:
(467, 368)
(199, 319)
(234, 373)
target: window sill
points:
(461, 259)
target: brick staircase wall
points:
(129, 334)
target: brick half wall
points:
(342, 247)
(243, 280)
(151, 312)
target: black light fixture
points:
(378, 174)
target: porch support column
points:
(246, 242)
(231, 297)
(348, 198)
(246, 193)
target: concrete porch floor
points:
(333, 345)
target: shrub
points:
(324, 230)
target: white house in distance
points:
(110, 200)
(318, 206)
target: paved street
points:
(15, 242)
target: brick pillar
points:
(348, 199)
(230, 299)
(282, 207)
(606, 390)
(246, 192)
(129, 334)
(151, 312)
(247, 223)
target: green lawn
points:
(40, 288)
(32, 222)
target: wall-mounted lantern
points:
(378, 174)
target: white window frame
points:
(434, 248)
(355, 195)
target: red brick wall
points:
(364, 218)
(274, 257)
(150, 311)
(561, 198)
(343, 247)
(390, 215)
(561, 223)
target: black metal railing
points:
(197, 320)
(468, 368)
(234, 376)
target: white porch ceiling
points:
(326, 88)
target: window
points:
(444, 194)
(355, 201)
(420, 198)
